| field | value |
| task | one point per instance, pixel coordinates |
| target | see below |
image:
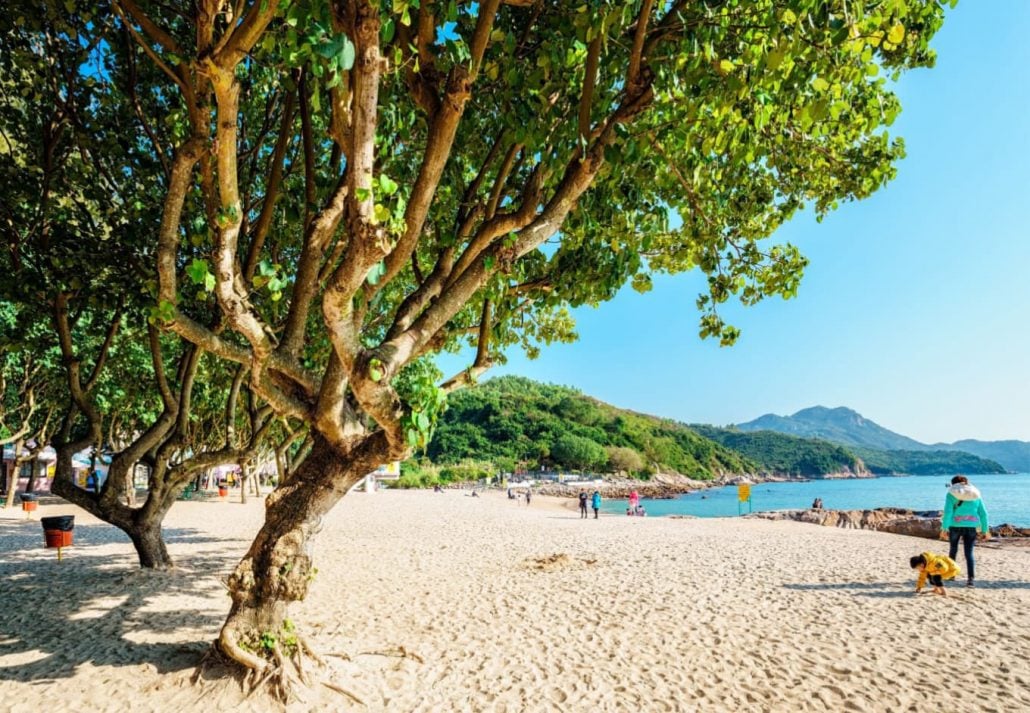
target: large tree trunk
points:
(145, 533)
(244, 474)
(30, 487)
(277, 568)
(142, 524)
(12, 485)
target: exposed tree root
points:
(399, 652)
(343, 691)
(276, 671)
(303, 644)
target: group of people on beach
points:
(595, 503)
(518, 495)
(635, 509)
(964, 520)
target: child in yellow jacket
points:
(936, 568)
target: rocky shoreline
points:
(664, 486)
(899, 521)
(661, 486)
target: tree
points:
(29, 380)
(360, 185)
(78, 196)
(578, 453)
(625, 460)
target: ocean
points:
(1006, 497)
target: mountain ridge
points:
(848, 427)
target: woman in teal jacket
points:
(964, 517)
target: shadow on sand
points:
(55, 616)
(900, 590)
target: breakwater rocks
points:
(898, 521)
(660, 486)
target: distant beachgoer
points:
(640, 512)
(511, 495)
(964, 517)
(634, 500)
(817, 504)
(529, 495)
(475, 494)
(934, 567)
(582, 504)
(595, 502)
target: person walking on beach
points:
(529, 494)
(582, 504)
(596, 503)
(634, 501)
(964, 518)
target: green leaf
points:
(820, 85)
(346, 56)
(377, 271)
(209, 282)
(363, 194)
(375, 369)
(387, 185)
(381, 213)
(896, 34)
(198, 271)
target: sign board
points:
(743, 496)
(390, 471)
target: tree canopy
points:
(322, 195)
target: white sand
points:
(643, 614)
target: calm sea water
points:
(1007, 497)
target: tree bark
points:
(30, 487)
(146, 537)
(244, 477)
(12, 473)
(277, 568)
(12, 483)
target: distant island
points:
(513, 424)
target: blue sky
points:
(915, 309)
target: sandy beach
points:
(499, 607)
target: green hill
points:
(515, 422)
(512, 423)
(1014, 455)
(783, 454)
(925, 462)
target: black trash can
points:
(57, 531)
(63, 523)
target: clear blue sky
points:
(915, 310)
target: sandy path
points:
(641, 614)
